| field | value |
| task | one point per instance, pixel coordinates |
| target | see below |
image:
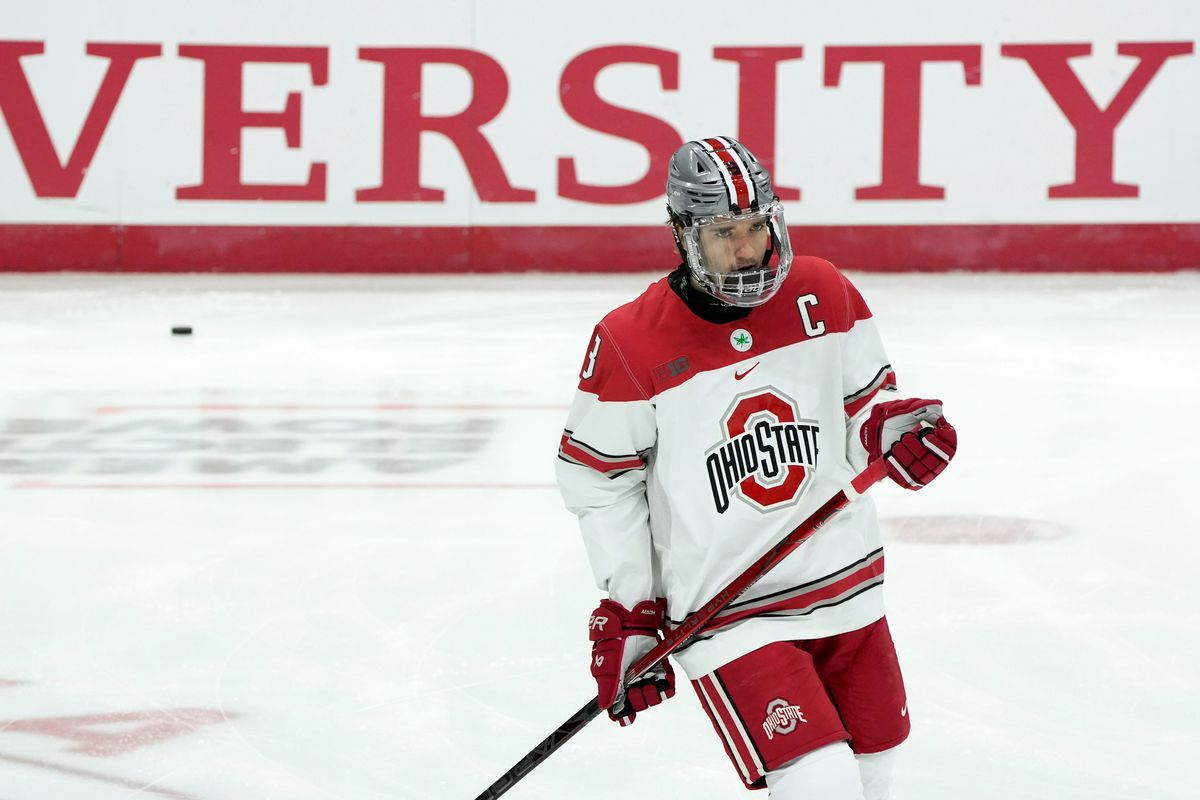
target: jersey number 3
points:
(590, 367)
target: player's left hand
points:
(915, 438)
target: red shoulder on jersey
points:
(613, 365)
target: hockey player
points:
(714, 412)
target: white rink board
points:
(996, 147)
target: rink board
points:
(376, 137)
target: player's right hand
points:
(620, 637)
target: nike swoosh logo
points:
(737, 376)
(904, 711)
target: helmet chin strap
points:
(770, 252)
(679, 243)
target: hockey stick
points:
(690, 626)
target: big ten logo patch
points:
(665, 373)
(767, 455)
(782, 718)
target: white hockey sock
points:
(829, 773)
(876, 772)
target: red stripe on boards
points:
(1135, 247)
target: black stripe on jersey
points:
(599, 453)
(870, 387)
(866, 587)
(733, 709)
(844, 570)
(776, 614)
(624, 472)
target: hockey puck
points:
(182, 330)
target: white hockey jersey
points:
(692, 447)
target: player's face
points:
(735, 244)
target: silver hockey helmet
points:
(733, 233)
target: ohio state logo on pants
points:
(768, 455)
(782, 718)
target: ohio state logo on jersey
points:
(768, 454)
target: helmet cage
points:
(745, 287)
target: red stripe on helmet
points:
(737, 177)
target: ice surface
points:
(314, 550)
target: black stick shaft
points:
(540, 753)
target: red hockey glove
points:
(913, 436)
(619, 638)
